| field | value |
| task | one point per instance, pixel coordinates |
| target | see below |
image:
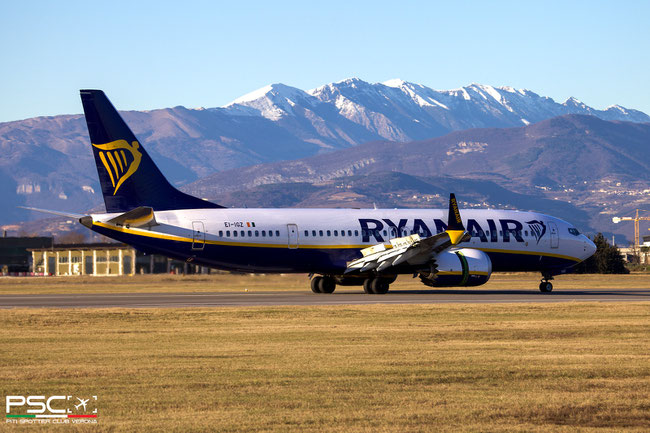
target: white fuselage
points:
(323, 240)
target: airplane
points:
(336, 247)
(82, 402)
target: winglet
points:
(455, 227)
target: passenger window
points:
(257, 233)
(277, 233)
(227, 233)
(263, 233)
(270, 233)
(250, 233)
(329, 233)
(234, 233)
(356, 232)
(220, 233)
(242, 233)
(349, 232)
(336, 232)
(306, 233)
(313, 233)
(526, 233)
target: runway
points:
(343, 297)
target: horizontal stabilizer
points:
(54, 212)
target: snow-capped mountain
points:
(401, 111)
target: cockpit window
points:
(574, 231)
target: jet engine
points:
(457, 267)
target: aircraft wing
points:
(413, 248)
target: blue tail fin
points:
(128, 176)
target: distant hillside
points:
(47, 162)
(597, 168)
(562, 151)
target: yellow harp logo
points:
(120, 159)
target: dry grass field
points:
(370, 368)
(500, 367)
(273, 282)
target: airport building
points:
(84, 259)
(15, 257)
(104, 259)
(630, 254)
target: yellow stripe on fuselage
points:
(156, 235)
(530, 253)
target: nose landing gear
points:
(546, 286)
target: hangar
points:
(104, 259)
(84, 259)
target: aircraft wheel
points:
(545, 286)
(367, 286)
(380, 286)
(327, 285)
(316, 284)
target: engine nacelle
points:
(458, 267)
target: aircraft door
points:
(292, 229)
(198, 235)
(555, 237)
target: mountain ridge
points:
(47, 161)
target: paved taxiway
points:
(342, 297)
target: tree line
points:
(606, 260)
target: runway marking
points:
(242, 299)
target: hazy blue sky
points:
(154, 54)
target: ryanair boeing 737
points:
(364, 247)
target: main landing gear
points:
(546, 285)
(323, 284)
(371, 285)
(376, 286)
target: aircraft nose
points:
(590, 248)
